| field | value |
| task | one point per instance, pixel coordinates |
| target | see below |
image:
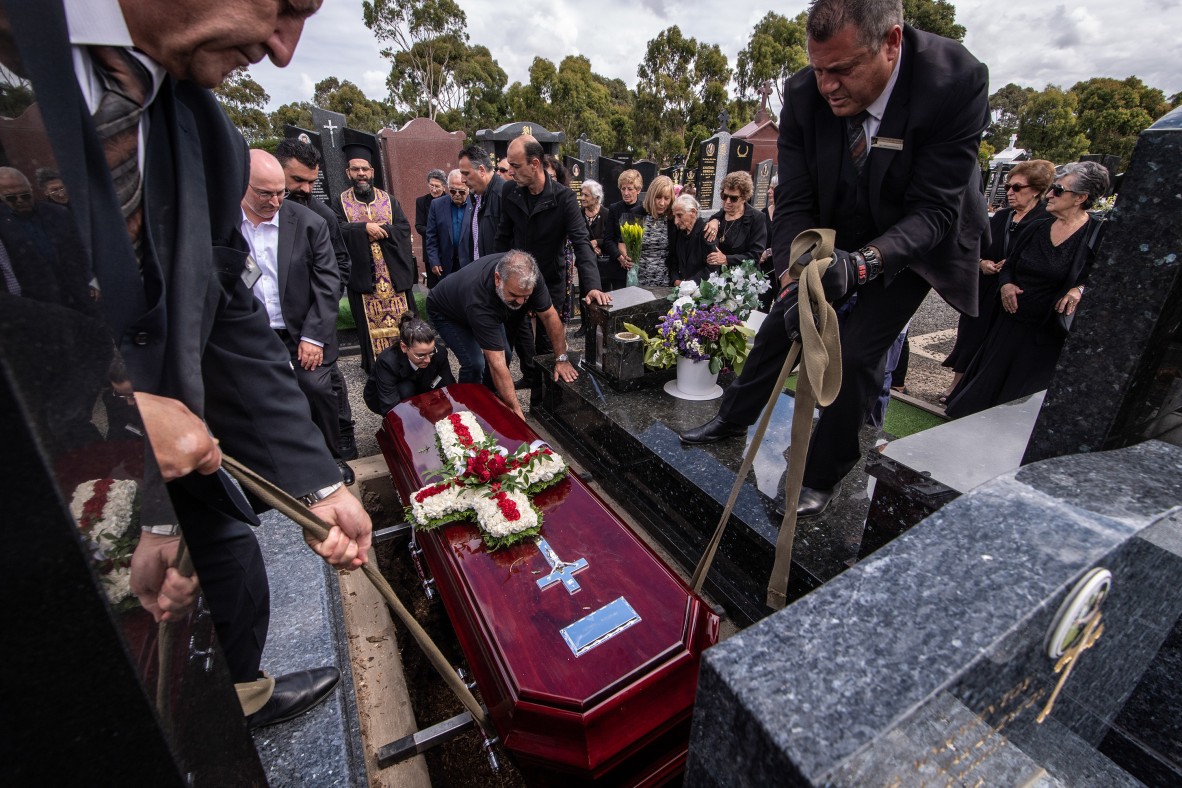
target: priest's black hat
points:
(357, 150)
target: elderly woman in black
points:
(415, 365)
(1043, 276)
(603, 237)
(687, 258)
(1026, 185)
(738, 230)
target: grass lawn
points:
(901, 419)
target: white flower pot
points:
(695, 380)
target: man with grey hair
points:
(445, 224)
(878, 141)
(471, 307)
(480, 233)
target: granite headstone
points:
(647, 170)
(713, 156)
(952, 658)
(739, 158)
(576, 173)
(589, 153)
(609, 177)
(496, 141)
(763, 180)
(331, 128)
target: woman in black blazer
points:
(415, 365)
(738, 230)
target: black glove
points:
(847, 272)
(790, 297)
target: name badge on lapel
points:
(251, 273)
(889, 143)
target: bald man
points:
(297, 283)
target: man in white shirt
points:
(298, 281)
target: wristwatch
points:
(319, 495)
(562, 357)
(866, 263)
(162, 530)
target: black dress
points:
(1020, 350)
(970, 331)
(611, 273)
(394, 378)
(688, 254)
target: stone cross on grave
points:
(560, 571)
(724, 121)
(765, 91)
(330, 129)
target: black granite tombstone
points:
(320, 187)
(589, 153)
(763, 179)
(708, 177)
(620, 358)
(331, 128)
(740, 156)
(1026, 634)
(647, 170)
(496, 141)
(576, 171)
(1119, 377)
(609, 176)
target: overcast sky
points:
(1032, 43)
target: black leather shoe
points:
(348, 446)
(347, 475)
(295, 693)
(714, 430)
(812, 502)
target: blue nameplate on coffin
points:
(599, 627)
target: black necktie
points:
(126, 87)
(855, 129)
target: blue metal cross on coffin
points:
(559, 570)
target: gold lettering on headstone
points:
(1067, 662)
(527, 131)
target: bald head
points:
(525, 157)
(266, 191)
(16, 190)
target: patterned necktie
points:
(126, 87)
(476, 227)
(855, 129)
(10, 281)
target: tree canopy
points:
(244, 101)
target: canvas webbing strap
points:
(819, 351)
(317, 529)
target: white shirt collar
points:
(878, 106)
(274, 220)
(96, 23)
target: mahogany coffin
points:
(589, 672)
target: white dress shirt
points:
(264, 246)
(878, 106)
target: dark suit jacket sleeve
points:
(944, 166)
(422, 210)
(576, 233)
(431, 247)
(400, 259)
(339, 249)
(504, 240)
(321, 321)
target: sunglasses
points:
(1017, 187)
(15, 198)
(731, 197)
(457, 192)
(1057, 190)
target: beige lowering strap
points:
(317, 529)
(819, 350)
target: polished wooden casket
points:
(583, 643)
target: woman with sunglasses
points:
(1026, 185)
(738, 232)
(1043, 277)
(415, 365)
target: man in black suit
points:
(301, 167)
(878, 140)
(445, 225)
(170, 265)
(485, 187)
(298, 285)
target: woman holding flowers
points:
(656, 217)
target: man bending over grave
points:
(471, 307)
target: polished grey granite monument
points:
(930, 662)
